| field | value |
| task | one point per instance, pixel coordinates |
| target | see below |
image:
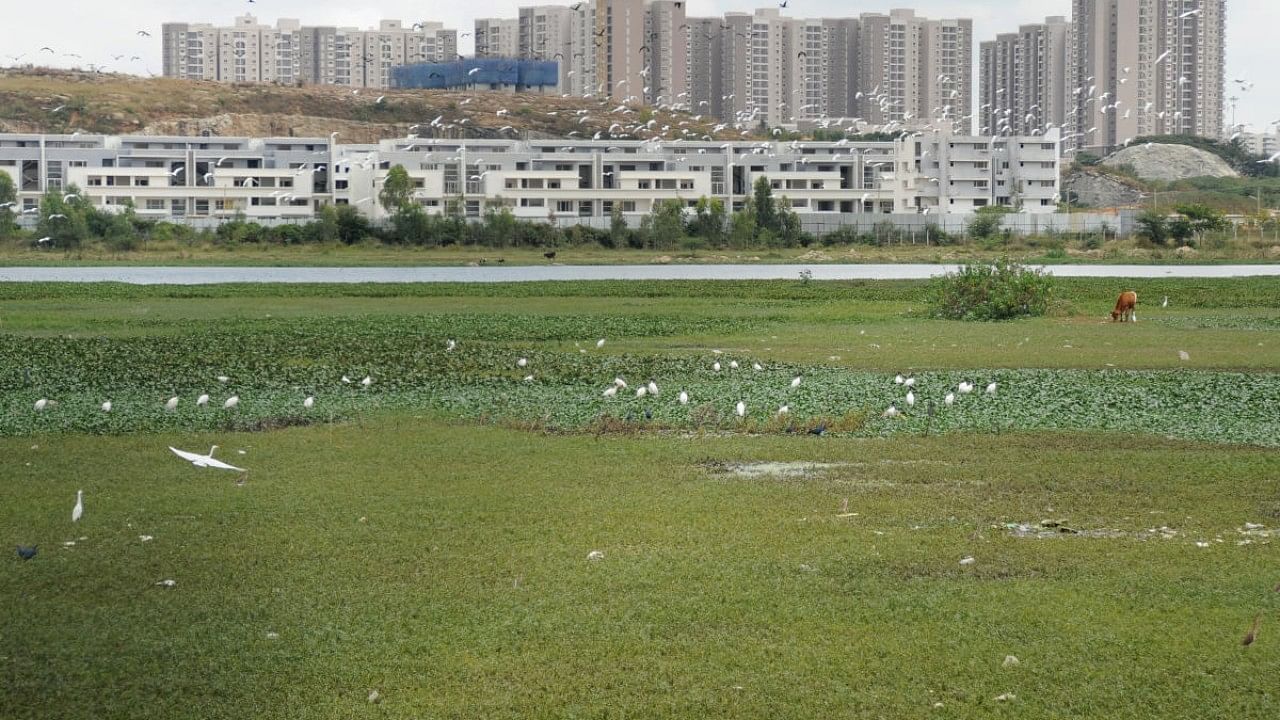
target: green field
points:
(427, 537)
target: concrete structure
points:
(1023, 79)
(546, 33)
(619, 37)
(667, 57)
(291, 178)
(291, 53)
(1146, 67)
(913, 69)
(497, 37)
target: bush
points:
(1000, 291)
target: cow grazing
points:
(1126, 308)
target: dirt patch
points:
(784, 470)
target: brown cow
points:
(1126, 307)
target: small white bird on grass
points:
(203, 400)
(204, 460)
(600, 343)
(715, 366)
(528, 378)
(965, 387)
(652, 387)
(1184, 355)
(909, 382)
(991, 389)
(684, 398)
(892, 412)
(43, 404)
(795, 382)
(950, 399)
(522, 362)
(309, 403)
(106, 406)
(171, 404)
(899, 380)
(450, 345)
(367, 381)
(733, 364)
(740, 409)
(167, 583)
(595, 555)
(784, 409)
(620, 383)
(911, 398)
(346, 379)
(610, 391)
(232, 403)
(757, 367)
(642, 391)
(77, 512)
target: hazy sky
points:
(100, 29)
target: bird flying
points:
(204, 460)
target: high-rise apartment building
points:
(1022, 78)
(546, 33)
(912, 69)
(619, 39)
(667, 54)
(292, 53)
(1145, 67)
(497, 37)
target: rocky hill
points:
(59, 101)
(1169, 163)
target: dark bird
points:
(26, 552)
(783, 4)
(602, 32)
(648, 414)
(1253, 631)
(802, 54)
(644, 49)
(576, 7)
(819, 430)
(549, 255)
(143, 33)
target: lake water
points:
(213, 275)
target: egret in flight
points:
(204, 460)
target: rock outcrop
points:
(1090, 188)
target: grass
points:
(455, 581)
(1043, 250)
(428, 537)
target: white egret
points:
(652, 387)
(991, 389)
(795, 382)
(42, 404)
(1184, 355)
(620, 383)
(757, 367)
(309, 403)
(231, 403)
(106, 406)
(642, 391)
(78, 511)
(911, 398)
(522, 362)
(203, 400)
(784, 409)
(740, 409)
(367, 381)
(528, 378)
(450, 345)
(610, 391)
(223, 378)
(899, 380)
(684, 398)
(171, 404)
(950, 399)
(892, 412)
(600, 343)
(346, 379)
(595, 555)
(1165, 303)
(965, 387)
(909, 382)
(167, 583)
(204, 460)
(733, 364)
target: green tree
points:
(986, 221)
(709, 220)
(742, 234)
(64, 220)
(119, 231)
(766, 210)
(499, 225)
(1153, 226)
(8, 198)
(663, 227)
(1203, 219)
(619, 233)
(397, 190)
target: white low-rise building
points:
(292, 178)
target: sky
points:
(99, 30)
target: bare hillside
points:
(42, 100)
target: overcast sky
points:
(100, 29)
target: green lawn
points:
(428, 537)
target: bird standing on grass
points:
(26, 552)
(77, 512)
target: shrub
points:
(1000, 291)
